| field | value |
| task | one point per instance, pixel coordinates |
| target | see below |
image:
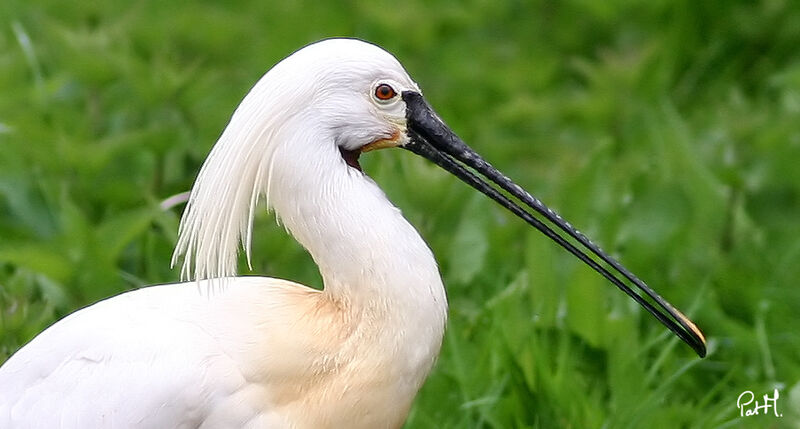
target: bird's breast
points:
(339, 366)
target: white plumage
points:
(253, 351)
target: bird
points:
(219, 350)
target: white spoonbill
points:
(256, 352)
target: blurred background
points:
(668, 131)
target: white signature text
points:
(748, 406)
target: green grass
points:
(668, 131)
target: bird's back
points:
(162, 356)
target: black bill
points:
(431, 138)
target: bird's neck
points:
(369, 256)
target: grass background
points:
(669, 131)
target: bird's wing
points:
(155, 357)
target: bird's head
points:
(349, 91)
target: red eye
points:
(384, 92)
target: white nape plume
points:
(220, 210)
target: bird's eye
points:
(384, 92)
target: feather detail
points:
(220, 211)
